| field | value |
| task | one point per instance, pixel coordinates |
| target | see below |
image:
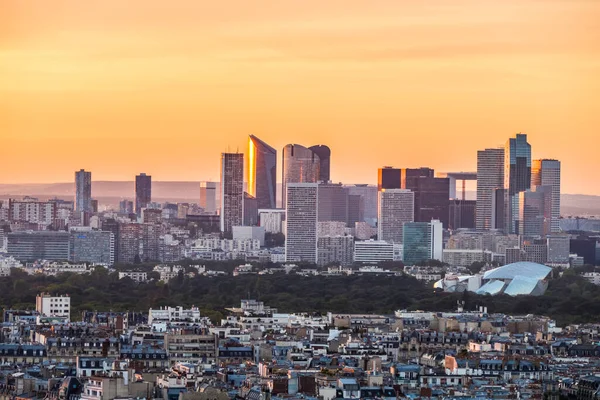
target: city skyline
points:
(160, 79)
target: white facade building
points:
(271, 219)
(243, 233)
(53, 306)
(373, 251)
(134, 275)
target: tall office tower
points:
(143, 192)
(208, 197)
(422, 241)
(432, 195)
(547, 173)
(396, 207)
(262, 172)
(462, 214)
(368, 193)
(333, 202)
(389, 178)
(535, 211)
(232, 190)
(92, 246)
(490, 176)
(302, 218)
(300, 165)
(324, 154)
(517, 178)
(250, 210)
(83, 191)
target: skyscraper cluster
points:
(516, 194)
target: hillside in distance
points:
(110, 192)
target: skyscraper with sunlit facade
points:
(262, 172)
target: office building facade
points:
(324, 154)
(373, 251)
(92, 247)
(535, 209)
(335, 250)
(368, 194)
(43, 245)
(299, 165)
(302, 222)
(262, 172)
(490, 177)
(389, 178)
(143, 192)
(232, 190)
(208, 197)
(432, 195)
(83, 191)
(333, 202)
(422, 241)
(31, 210)
(271, 219)
(462, 214)
(546, 172)
(396, 207)
(250, 210)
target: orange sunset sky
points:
(124, 86)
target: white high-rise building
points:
(271, 219)
(395, 208)
(232, 190)
(490, 176)
(373, 251)
(547, 173)
(301, 237)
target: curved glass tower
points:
(262, 172)
(300, 165)
(324, 154)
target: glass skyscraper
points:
(517, 177)
(262, 172)
(422, 241)
(324, 154)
